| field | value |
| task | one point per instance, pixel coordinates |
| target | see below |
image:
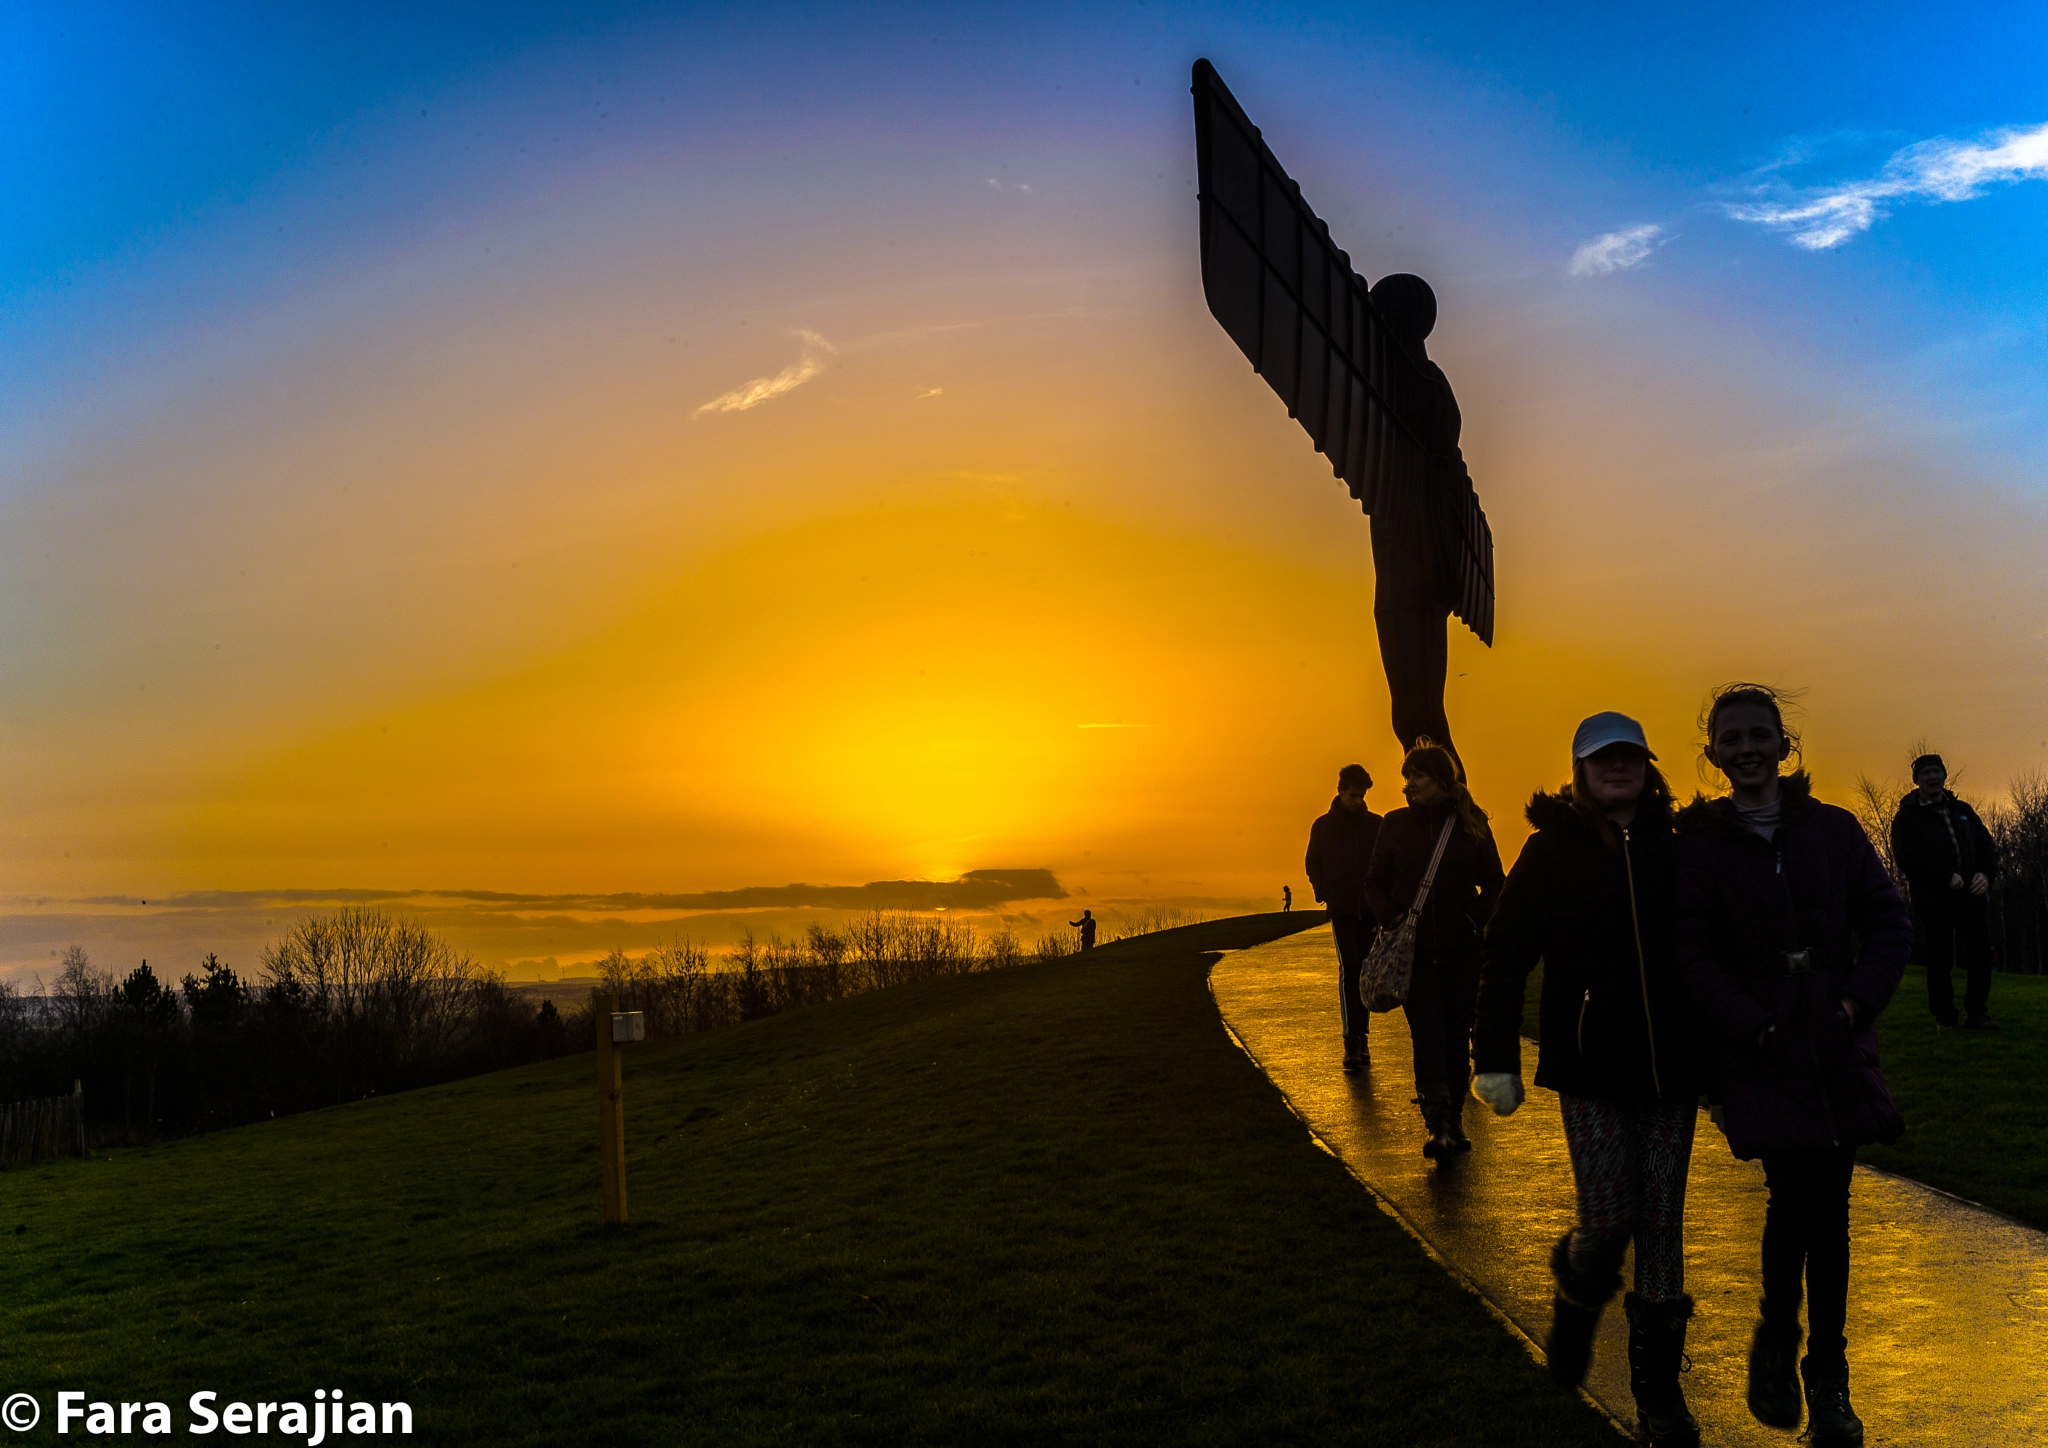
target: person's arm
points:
(1883, 930)
(1490, 878)
(1987, 848)
(1312, 862)
(1515, 939)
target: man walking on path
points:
(1086, 925)
(1948, 859)
(1339, 848)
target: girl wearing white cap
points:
(1593, 896)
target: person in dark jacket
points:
(1791, 940)
(1339, 848)
(1949, 861)
(1594, 897)
(1446, 979)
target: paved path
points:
(1948, 1312)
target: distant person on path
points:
(1594, 897)
(1086, 925)
(1286, 899)
(1446, 984)
(1949, 862)
(1339, 849)
(1792, 939)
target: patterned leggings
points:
(1629, 1158)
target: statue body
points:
(1349, 361)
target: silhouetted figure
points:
(1413, 550)
(1339, 849)
(1445, 988)
(1350, 364)
(1949, 861)
(1086, 925)
(1286, 898)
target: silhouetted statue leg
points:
(1414, 648)
(1416, 655)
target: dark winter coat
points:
(1603, 918)
(1339, 848)
(1459, 902)
(1792, 1072)
(1931, 851)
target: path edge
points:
(1450, 1268)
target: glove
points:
(1502, 1090)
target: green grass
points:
(1975, 1120)
(1046, 1205)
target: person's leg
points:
(1938, 936)
(1460, 1005)
(1659, 1309)
(1664, 1131)
(1973, 938)
(1827, 1252)
(1603, 1153)
(1774, 1396)
(1424, 1009)
(1587, 1261)
(1831, 1419)
(1354, 937)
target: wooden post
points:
(78, 1111)
(611, 1110)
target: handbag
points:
(1389, 967)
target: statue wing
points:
(1288, 297)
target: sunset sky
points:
(604, 449)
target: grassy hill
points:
(1051, 1204)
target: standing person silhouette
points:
(1286, 899)
(1949, 861)
(1594, 897)
(1086, 925)
(1340, 846)
(1791, 939)
(1446, 979)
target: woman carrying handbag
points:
(1440, 823)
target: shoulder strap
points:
(1429, 875)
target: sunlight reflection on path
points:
(1948, 1313)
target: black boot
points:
(1656, 1355)
(1575, 1313)
(1354, 1052)
(1830, 1421)
(1773, 1374)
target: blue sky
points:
(354, 363)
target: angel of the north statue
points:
(1348, 361)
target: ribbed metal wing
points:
(1288, 297)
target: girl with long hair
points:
(1446, 978)
(1791, 939)
(1594, 897)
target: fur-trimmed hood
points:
(1718, 817)
(1554, 810)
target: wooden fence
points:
(35, 1130)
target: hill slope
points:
(1042, 1205)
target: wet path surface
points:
(1948, 1307)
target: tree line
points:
(362, 1003)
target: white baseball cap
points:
(1605, 728)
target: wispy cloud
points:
(1933, 171)
(1615, 251)
(795, 375)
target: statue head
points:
(1408, 305)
